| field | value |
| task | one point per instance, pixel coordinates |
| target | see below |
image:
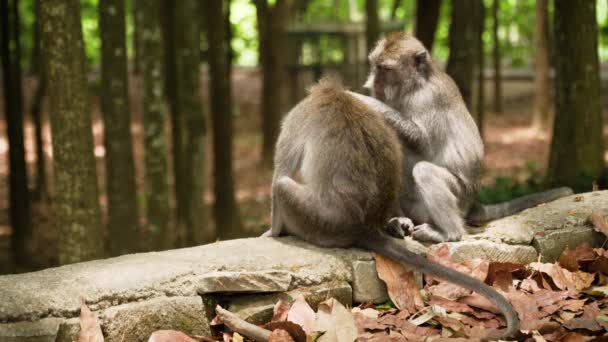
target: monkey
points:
(337, 179)
(443, 150)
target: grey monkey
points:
(442, 148)
(336, 182)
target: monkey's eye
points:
(384, 67)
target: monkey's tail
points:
(395, 249)
(480, 214)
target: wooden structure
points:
(315, 49)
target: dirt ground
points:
(509, 142)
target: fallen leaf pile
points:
(564, 301)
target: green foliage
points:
(386, 305)
(516, 28)
(245, 34)
(507, 188)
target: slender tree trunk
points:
(463, 47)
(372, 23)
(13, 105)
(155, 142)
(180, 174)
(35, 61)
(427, 17)
(542, 116)
(481, 98)
(577, 148)
(40, 186)
(226, 213)
(394, 8)
(273, 44)
(138, 6)
(76, 202)
(187, 40)
(120, 169)
(496, 59)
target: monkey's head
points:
(399, 63)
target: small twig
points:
(237, 324)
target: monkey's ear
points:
(420, 58)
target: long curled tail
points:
(480, 214)
(392, 248)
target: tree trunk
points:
(193, 131)
(180, 174)
(35, 58)
(273, 44)
(228, 224)
(394, 8)
(577, 148)
(120, 169)
(76, 205)
(40, 192)
(463, 47)
(155, 142)
(542, 116)
(138, 7)
(13, 105)
(496, 59)
(372, 24)
(427, 17)
(481, 98)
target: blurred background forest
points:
(139, 125)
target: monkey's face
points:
(399, 64)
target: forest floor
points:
(511, 147)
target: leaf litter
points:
(562, 301)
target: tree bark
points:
(192, 130)
(120, 169)
(155, 142)
(427, 17)
(496, 59)
(577, 148)
(138, 7)
(542, 119)
(272, 25)
(228, 224)
(40, 185)
(463, 47)
(372, 24)
(13, 105)
(76, 205)
(180, 174)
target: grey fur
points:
(336, 182)
(443, 151)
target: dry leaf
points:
(400, 283)
(599, 222)
(301, 313)
(170, 336)
(573, 337)
(236, 337)
(90, 330)
(336, 322)
(564, 279)
(280, 335)
(369, 312)
(280, 311)
(294, 330)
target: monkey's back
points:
(352, 159)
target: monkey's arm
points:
(409, 131)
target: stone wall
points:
(135, 295)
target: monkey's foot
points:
(398, 226)
(426, 233)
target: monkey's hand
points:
(399, 227)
